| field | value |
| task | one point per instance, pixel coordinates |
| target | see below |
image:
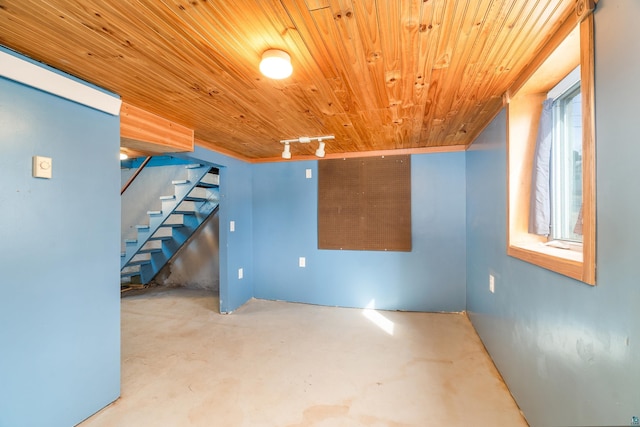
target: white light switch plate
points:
(232, 226)
(302, 262)
(308, 173)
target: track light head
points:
(286, 153)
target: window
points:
(559, 82)
(566, 163)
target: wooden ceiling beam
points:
(137, 124)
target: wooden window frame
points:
(524, 106)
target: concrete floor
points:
(283, 364)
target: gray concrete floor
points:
(284, 364)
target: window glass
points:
(566, 161)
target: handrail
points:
(135, 175)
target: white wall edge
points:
(32, 75)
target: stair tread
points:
(172, 225)
(168, 197)
(138, 262)
(180, 181)
(206, 185)
(195, 199)
(154, 212)
(160, 238)
(130, 274)
(149, 251)
(131, 240)
(193, 166)
(184, 212)
(142, 227)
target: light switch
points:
(240, 273)
(308, 173)
(232, 226)
(302, 262)
(41, 167)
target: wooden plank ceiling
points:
(377, 74)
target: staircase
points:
(169, 228)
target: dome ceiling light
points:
(276, 64)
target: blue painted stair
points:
(169, 228)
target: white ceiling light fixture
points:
(286, 154)
(276, 64)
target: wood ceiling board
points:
(378, 74)
(532, 33)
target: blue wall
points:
(568, 352)
(236, 248)
(429, 278)
(59, 284)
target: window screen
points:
(365, 204)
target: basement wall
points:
(235, 247)
(59, 263)
(277, 214)
(569, 352)
(429, 278)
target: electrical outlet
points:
(492, 283)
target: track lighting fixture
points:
(286, 154)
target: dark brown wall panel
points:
(365, 204)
